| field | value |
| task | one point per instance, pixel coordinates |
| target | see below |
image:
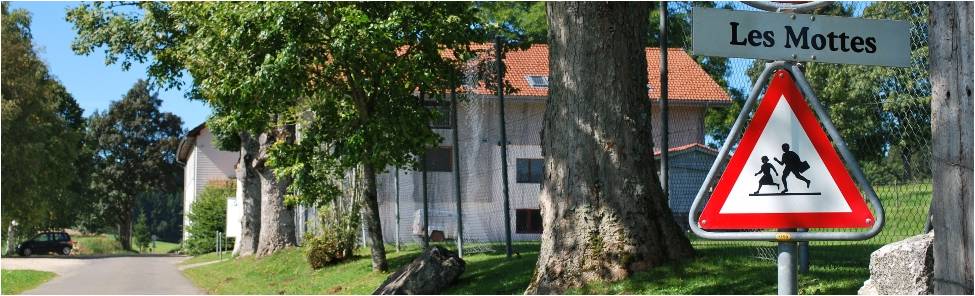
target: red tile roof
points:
(688, 81)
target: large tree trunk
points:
(12, 238)
(125, 229)
(370, 214)
(604, 213)
(277, 219)
(951, 135)
(250, 220)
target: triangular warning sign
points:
(785, 172)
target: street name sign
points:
(785, 172)
(800, 37)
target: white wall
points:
(204, 165)
(482, 204)
(189, 189)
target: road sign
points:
(785, 172)
(800, 37)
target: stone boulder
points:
(902, 268)
(432, 272)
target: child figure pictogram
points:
(766, 175)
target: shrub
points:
(208, 214)
(98, 245)
(336, 241)
(141, 233)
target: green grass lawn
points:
(164, 247)
(287, 272)
(735, 270)
(718, 268)
(17, 281)
(105, 244)
(204, 258)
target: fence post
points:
(216, 241)
(457, 188)
(504, 146)
(803, 254)
(426, 204)
(396, 180)
(664, 118)
(950, 52)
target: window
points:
(528, 221)
(442, 116)
(439, 159)
(530, 170)
(537, 81)
(43, 237)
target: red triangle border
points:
(783, 85)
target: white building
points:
(203, 163)
(691, 92)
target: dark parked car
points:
(47, 242)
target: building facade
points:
(202, 164)
(691, 93)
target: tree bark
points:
(604, 213)
(370, 216)
(250, 220)
(950, 44)
(125, 229)
(12, 238)
(277, 219)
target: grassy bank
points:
(286, 272)
(734, 270)
(18, 281)
(718, 268)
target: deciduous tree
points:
(42, 128)
(604, 213)
(356, 66)
(135, 153)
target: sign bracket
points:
(787, 235)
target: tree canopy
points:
(135, 153)
(349, 73)
(42, 128)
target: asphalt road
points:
(110, 275)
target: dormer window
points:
(537, 81)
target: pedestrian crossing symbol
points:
(785, 172)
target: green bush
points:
(207, 216)
(141, 233)
(98, 245)
(336, 242)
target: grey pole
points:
(426, 204)
(664, 118)
(457, 188)
(803, 253)
(396, 180)
(787, 268)
(504, 147)
(426, 200)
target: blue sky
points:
(92, 83)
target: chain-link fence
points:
(882, 113)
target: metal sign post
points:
(773, 42)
